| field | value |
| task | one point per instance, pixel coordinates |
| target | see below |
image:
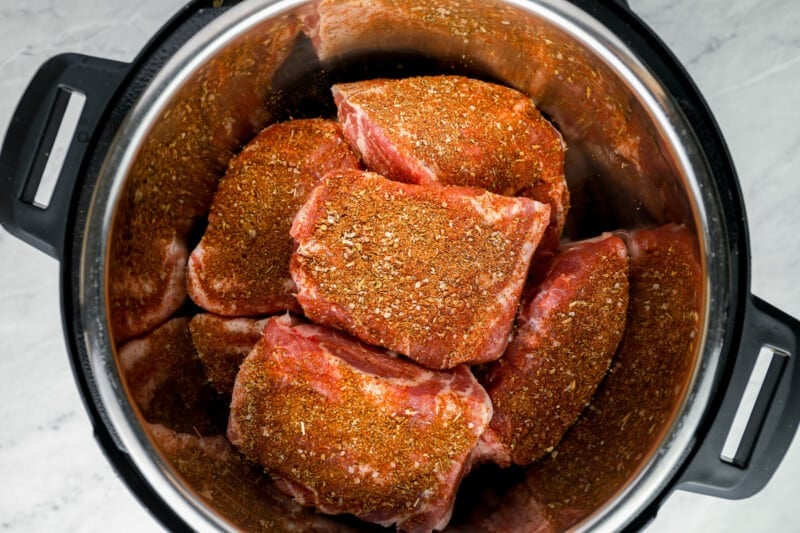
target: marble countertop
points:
(744, 56)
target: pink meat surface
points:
(432, 272)
(569, 326)
(348, 428)
(222, 344)
(241, 266)
(454, 130)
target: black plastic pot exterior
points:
(113, 88)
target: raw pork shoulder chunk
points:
(222, 344)
(234, 486)
(174, 175)
(431, 272)
(241, 266)
(637, 398)
(147, 280)
(568, 329)
(347, 428)
(454, 130)
(167, 381)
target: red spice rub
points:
(235, 487)
(456, 131)
(241, 266)
(637, 400)
(348, 428)
(432, 272)
(173, 179)
(222, 344)
(567, 332)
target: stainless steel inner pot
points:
(633, 161)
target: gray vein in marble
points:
(758, 77)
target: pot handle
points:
(46, 142)
(759, 411)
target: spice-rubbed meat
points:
(166, 379)
(431, 272)
(235, 487)
(222, 344)
(348, 428)
(241, 266)
(454, 130)
(567, 331)
(636, 402)
(173, 178)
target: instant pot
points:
(643, 152)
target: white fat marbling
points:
(745, 57)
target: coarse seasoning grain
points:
(432, 272)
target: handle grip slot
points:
(47, 142)
(758, 413)
(753, 405)
(61, 127)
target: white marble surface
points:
(745, 57)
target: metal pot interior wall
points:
(631, 164)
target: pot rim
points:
(677, 442)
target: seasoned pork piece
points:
(348, 428)
(454, 130)
(167, 381)
(431, 272)
(635, 404)
(172, 180)
(222, 344)
(589, 103)
(234, 486)
(241, 266)
(567, 331)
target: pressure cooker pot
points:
(702, 391)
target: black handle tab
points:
(46, 142)
(759, 412)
